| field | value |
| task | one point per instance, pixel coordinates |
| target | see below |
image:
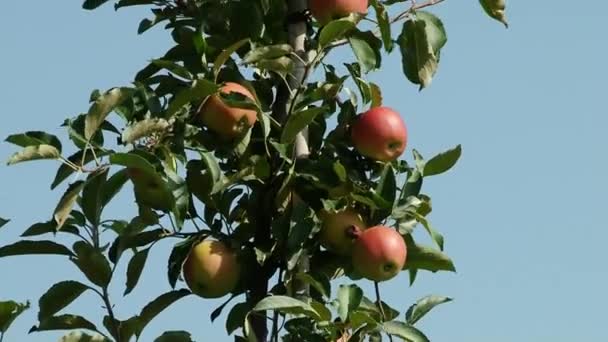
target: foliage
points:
(252, 192)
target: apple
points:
(379, 253)
(228, 122)
(327, 10)
(150, 189)
(380, 134)
(211, 269)
(337, 228)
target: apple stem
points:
(380, 306)
(353, 232)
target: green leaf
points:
(175, 336)
(223, 57)
(323, 287)
(9, 311)
(26, 247)
(3, 222)
(413, 184)
(435, 235)
(383, 20)
(102, 107)
(426, 258)
(155, 307)
(387, 189)
(287, 305)
(64, 322)
(79, 336)
(236, 317)
(267, 52)
(405, 331)
(335, 30)
(58, 297)
(132, 160)
(424, 306)
(144, 128)
(349, 299)
(112, 186)
(66, 203)
(173, 67)
(442, 162)
(37, 152)
(91, 202)
(177, 258)
(421, 41)
(48, 227)
(366, 56)
(34, 138)
(496, 10)
(201, 88)
(92, 263)
(371, 306)
(298, 121)
(135, 268)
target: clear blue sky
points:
(524, 213)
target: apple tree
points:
(277, 173)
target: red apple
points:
(379, 253)
(326, 10)
(380, 134)
(228, 122)
(336, 233)
(211, 270)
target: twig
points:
(380, 306)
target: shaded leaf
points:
(9, 311)
(64, 322)
(58, 297)
(135, 268)
(26, 247)
(91, 201)
(34, 138)
(155, 307)
(92, 263)
(175, 336)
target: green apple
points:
(337, 228)
(211, 269)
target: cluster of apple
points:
(378, 253)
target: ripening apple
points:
(211, 270)
(336, 233)
(150, 190)
(380, 134)
(379, 253)
(327, 10)
(228, 122)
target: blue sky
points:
(523, 213)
